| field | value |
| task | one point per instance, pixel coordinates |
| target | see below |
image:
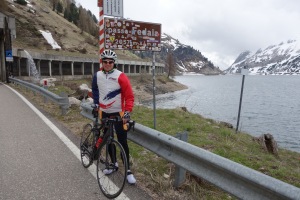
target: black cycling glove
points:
(126, 115)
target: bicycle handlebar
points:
(130, 123)
(95, 113)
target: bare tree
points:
(170, 64)
(3, 6)
(86, 22)
(54, 3)
(83, 20)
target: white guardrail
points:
(234, 178)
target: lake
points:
(270, 104)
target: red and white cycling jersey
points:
(112, 91)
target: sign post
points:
(154, 89)
(244, 72)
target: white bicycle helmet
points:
(109, 54)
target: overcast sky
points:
(219, 29)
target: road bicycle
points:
(98, 143)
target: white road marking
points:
(92, 169)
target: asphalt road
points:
(40, 159)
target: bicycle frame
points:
(110, 154)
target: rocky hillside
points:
(38, 16)
(186, 58)
(283, 58)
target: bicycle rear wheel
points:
(112, 169)
(86, 145)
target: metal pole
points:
(2, 61)
(241, 97)
(154, 89)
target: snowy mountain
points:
(186, 58)
(283, 58)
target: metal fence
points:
(62, 101)
(234, 178)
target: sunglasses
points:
(108, 62)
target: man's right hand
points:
(95, 110)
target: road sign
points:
(9, 56)
(112, 7)
(132, 35)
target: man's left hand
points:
(126, 116)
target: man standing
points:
(113, 93)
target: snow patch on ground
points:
(48, 36)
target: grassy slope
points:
(155, 174)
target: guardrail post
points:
(45, 99)
(64, 107)
(180, 172)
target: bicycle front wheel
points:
(86, 145)
(112, 169)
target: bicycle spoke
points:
(111, 169)
(86, 145)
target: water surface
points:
(270, 104)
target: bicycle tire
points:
(86, 145)
(112, 185)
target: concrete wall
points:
(67, 67)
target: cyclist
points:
(112, 92)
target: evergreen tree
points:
(95, 19)
(81, 17)
(74, 14)
(3, 6)
(54, 2)
(22, 2)
(66, 14)
(83, 20)
(59, 7)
